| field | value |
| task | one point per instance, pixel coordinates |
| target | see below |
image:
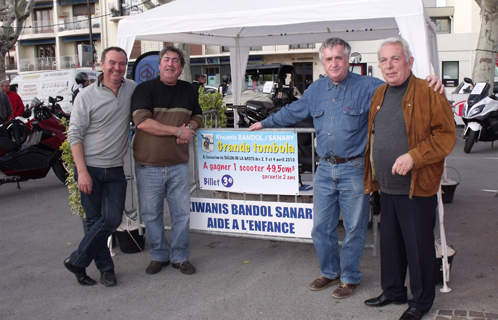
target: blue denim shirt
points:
(340, 114)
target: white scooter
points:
(480, 116)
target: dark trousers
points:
(104, 212)
(407, 240)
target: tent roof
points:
(241, 24)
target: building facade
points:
(58, 30)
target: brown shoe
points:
(322, 282)
(155, 266)
(344, 290)
(185, 267)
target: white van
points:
(46, 84)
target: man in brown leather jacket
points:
(414, 131)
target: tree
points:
(12, 16)
(487, 46)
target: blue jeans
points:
(339, 189)
(153, 184)
(104, 212)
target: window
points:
(303, 46)
(443, 24)
(450, 73)
(43, 21)
(45, 56)
(82, 9)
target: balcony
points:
(129, 8)
(39, 27)
(48, 63)
(77, 23)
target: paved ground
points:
(237, 278)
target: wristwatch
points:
(190, 127)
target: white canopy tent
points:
(242, 24)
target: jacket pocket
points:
(352, 118)
(318, 119)
(429, 176)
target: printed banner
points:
(281, 219)
(250, 162)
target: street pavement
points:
(237, 278)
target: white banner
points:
(250, 162)
(281, 219)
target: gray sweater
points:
(101, 121)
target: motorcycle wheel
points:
(469, 142)
(59, 170)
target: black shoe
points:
(381, 301)
(185, 267)
(108, 278)
(412, 314)
(80, 274)
(156, 266)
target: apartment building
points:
(57, 34)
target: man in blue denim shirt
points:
(339, 105)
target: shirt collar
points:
(342, 85)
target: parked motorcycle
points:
(31, 145)
(480, 116)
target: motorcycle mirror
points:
(51, 100)
(468, 80)
(59, 98)
(355, 57)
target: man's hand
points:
(181, 141)
(403, 165)
(256, 126)
(434, 80)
(84, 182)
(187, 134)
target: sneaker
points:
(108, 278)
(344, 290)
(156, 266)
(185, 267)
(322, 283)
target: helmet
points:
(226, 78)
(81, 77)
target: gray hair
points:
(397, 40)
(3, 81)
(172, 48)
(332, 42)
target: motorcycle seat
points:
(8, 145)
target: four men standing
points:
(414, 132)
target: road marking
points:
(487, 190)
(491, 158)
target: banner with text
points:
(283, 219)
(251, 162)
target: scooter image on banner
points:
(480, 116)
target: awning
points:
(84, 37)
(70, 2)
(37, 41)
(39, 5)
(441, 11)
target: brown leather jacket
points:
(431, 136)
